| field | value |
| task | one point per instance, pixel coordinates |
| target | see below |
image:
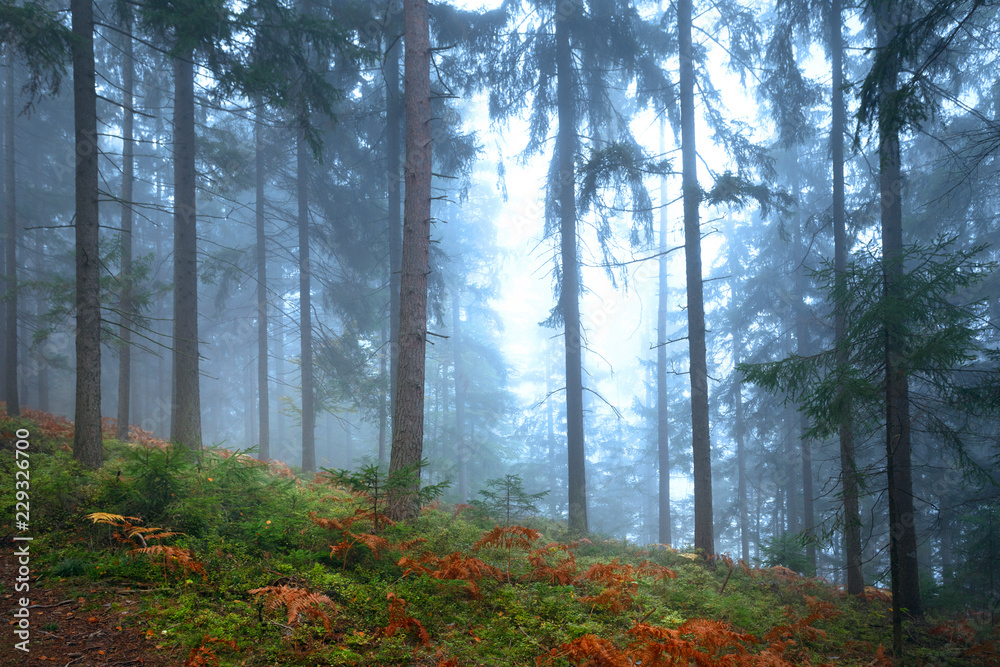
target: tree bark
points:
(263, 397)
(393, 159)
(10, 183)
(570, 294)
(803, 350)
(902, 529)
(185, 426)
(128, 173)
(701, 446)
(662, 410)
(87, 438)
(305, 309)
(848, 471)
(408, 420)
(460, 385)
(41, 269)
(739, 424)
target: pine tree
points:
(128, 176)
(87, 438)
(701, 446)
(408, 419)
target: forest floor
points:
(164, 558)
(76, 623)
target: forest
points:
(500, 332)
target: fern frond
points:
(506, 537)
(399, 620)
(296, 601)
(112, 519)
(329, 524)
(173, 557)
(204, 656)
(406, 545)
(590, 650)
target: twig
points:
(282, 625)
(648, 614)
(125, 591)
(722, 590)
(49, 606)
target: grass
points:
(450, 590)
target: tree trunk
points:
(185, 426)
(263, 398)
(803, 350)
(570, 295)
(40, 303)
(303, 162)
(383, 399)
(305, 309)
(701, 445)
(10, 182)
(460, 386)
(902, 529)
(550, 432)
(393, 159)
(662, 411)
(945, 547)
(739, 425)
(408, 419)
(848, 471)
(87, 439)
(128, 172)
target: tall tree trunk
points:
(662, 411)
(185, 425)
(303, 163)
(701, 446)
(87, 439)
(383, 399)
(280, 430)
(739, 425)
(393, 159)
(128, 172)
(550, 433)
(263, 397)
(803, 350)
(848, 471)
(43, 364)
(408, 419)
(791, 463)
(902, 528)
(305, 309)
(945, 547)
(460, 385)
(570, 294)
(10, 182)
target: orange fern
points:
(297, 601)
(454, 566)
(204, 656)
(398, 620)
(508, 537)
(619, 586)
(172, 558)
(561, 572)
(588, 651)
(654, 571)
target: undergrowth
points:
(247, 564)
